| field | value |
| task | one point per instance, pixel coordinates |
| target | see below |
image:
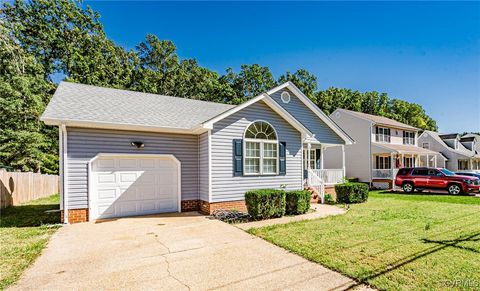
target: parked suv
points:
(435, 178)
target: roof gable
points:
(379, 120)
(331, 127)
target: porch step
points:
(314, 194)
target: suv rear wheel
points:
(408, 187)
(454, 189)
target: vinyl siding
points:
(85, 144)
(434, 145)
(225, 186)
(357, 155)
(203, 166)
(323, 133)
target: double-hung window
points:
(261, 149)
(382, 134)
(383, 162)
(409, 137)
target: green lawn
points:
(24, 232)
(394, 241)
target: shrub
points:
(352, 180)
(351, 192)
(298, 202)
(329, 199)
(265, 203)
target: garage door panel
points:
(127, 163)
(134, 186)
(126, 177)
(104, 164)
(107, 193)
(106, 177)
(147, 164)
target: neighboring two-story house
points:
(382, 146)
(462, 152)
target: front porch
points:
(318, 177)
(388, 159)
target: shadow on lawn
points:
(29, 215)
(438, 246)
(446, 194)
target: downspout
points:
(63, 130)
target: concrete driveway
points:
(170, 252)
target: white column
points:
(309, 147)
(471, 164)
(428, 160)
(321, 156)
(435, 161)
(343, 161)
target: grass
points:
(24, 232)
(394, 241)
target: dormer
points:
(452, 140)
(469, 142)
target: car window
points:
(433, 172)
(403, 171)
(420, 172)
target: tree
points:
(25, 143)
(251, 81)
(304, 80)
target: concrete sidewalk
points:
(320, 210)
(184, 251)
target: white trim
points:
(121, 126)
(262, 142)
(271, 103)
(342, 134)
(349, 112)
(209, 166)
(60, 163)
(287, 116)
(63, 128)
(101, 155)
(285, 96)
(260, 120)
(209, 123)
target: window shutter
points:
(282, 158)
(237, 157)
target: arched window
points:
(261, 149)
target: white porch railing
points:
(316, 182)
(384, 173)
(330, 176)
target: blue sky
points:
(427, 53)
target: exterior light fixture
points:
(137, 144)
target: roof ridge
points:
(144, 93)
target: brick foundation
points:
(76, 215)
(209, 208)
(190, 205)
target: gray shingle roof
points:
(379, 119)
(78, 102)
(462, 150)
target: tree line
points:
(40, 39)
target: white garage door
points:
(129, 185)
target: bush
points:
(329, 199)
(352, 180)
(265, 203)
(351, 192)
(298, 202)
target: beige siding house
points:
(463, 153)
(382, 146)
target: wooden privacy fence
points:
(18, 187)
